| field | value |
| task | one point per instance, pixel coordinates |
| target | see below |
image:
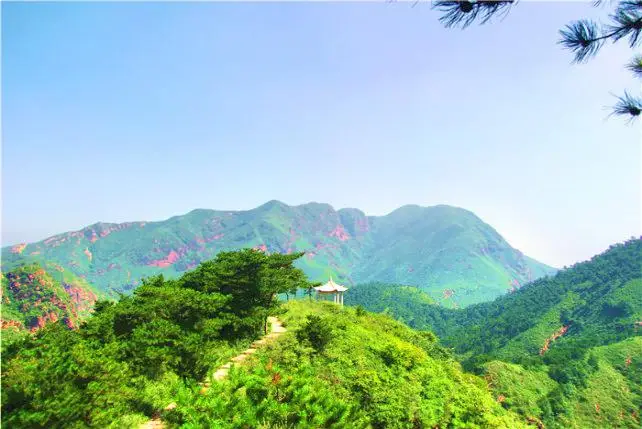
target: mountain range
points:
(447, 251)
(564, 351)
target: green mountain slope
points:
(343, 368)
(335, 366)
(447, 247)
(33, 295)
(597, 302)
(448, 252)
(565, 350)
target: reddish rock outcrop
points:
(448, 293)
(36, 292)
(340, 233)
(82, 298)
(11, 324)
(41, 321)
(363, 225)
(262, 248)
(171, 258)
(55, 241)
(69, 322)
(561, 331)
(18, 248)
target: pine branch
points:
(627, 21)
(583, 38)
(635, 66)
(627, 105)
(464, 13)
(630, 5)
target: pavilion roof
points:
(331, 286)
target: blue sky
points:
(140, 111)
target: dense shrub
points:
(131, 357)
(316, 331)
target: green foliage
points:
(34, 295)
(408, 304)
(340, 366)
(316, 331)
(600, 300)
(130, 358)
(550, 335)
(522, 389)
(360, 311)
(336, 367)
(374, 373)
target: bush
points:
(317, 331)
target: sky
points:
(119, 112)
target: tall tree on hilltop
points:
(583, 37)
(251, 279)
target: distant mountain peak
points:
(438, 248)
(272, 203)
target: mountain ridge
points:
(210, 210)
(447, 250)
(565, 350)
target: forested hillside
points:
(34, 295)
(572, 342)
(447, 251)
(335, 367)
(347, 368)
(127, 357)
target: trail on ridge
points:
(277, 329)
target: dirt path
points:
(277, 329)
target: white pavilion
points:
(331, 288)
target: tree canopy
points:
(126, 358)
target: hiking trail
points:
(277, 329)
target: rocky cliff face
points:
(34, 295)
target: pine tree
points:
(582, 37)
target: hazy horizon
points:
(295, 205)
(143, 111)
